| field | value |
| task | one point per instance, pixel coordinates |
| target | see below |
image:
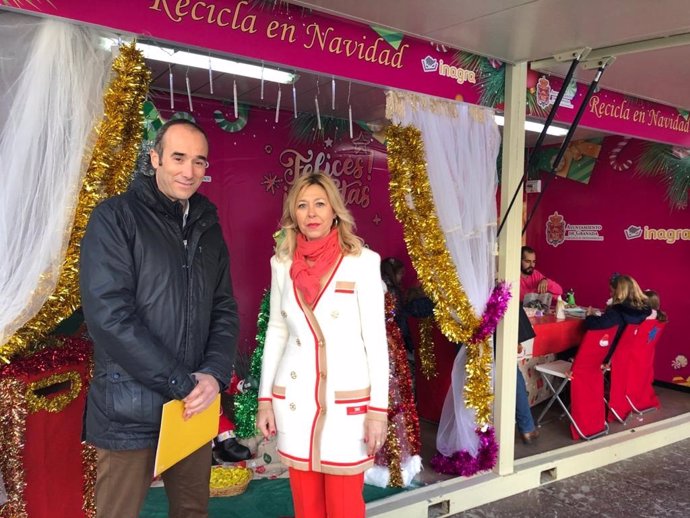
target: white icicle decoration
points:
(234, 97)
(189, 93)
(294, 100)
(210, 74)
(172, 96)
(318, 112)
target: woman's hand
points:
(266, 423)
(374, 435)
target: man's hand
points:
(201, 396)
(266, 422)
(374, 435)
(543, 286)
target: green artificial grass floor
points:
(262, 499)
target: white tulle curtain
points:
(52, 76)
(461, 144)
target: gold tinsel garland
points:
(57, 403)
(395, 478)
(112, 161)
(477, 390)
(414, 207)
(89, 462)
(12, 430)
(427, 355)
(89, 459)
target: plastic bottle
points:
(560, 308)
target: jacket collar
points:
(631, 311)
(146, 189)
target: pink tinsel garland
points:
(463, 463)
(496, 307)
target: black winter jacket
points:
(157, 310)
(617, 315)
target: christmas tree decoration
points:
(398, 461)
(246, 403)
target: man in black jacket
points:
(158, 303)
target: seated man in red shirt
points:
(532, 280)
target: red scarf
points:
(323, 253)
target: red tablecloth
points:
(554, 336)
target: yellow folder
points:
(180, 438)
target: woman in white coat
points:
(324, 375)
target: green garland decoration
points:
(492, 79)
(246, 403)
(660, 160)
(304, 128)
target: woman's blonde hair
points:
(626, 290)
(350, 244)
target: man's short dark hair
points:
(158, 143)
(526, 249)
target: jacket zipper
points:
(188, 267)
(188, 305)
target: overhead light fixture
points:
(537, 127)
(227, 66)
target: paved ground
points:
(654, 484)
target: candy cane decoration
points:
(232, 126)
(613, 156)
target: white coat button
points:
(335, 313)
(298, 342)
(293, 406)
(283, 314)
(293, 375)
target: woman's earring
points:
(336, 220)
